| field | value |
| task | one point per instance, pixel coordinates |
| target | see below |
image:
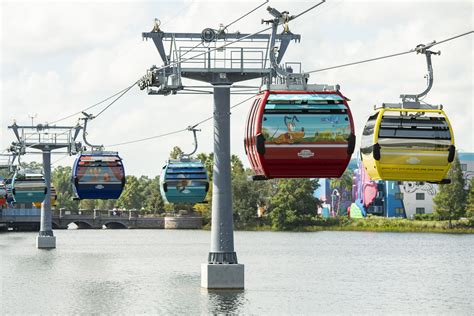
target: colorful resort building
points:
(383, 198)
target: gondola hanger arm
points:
(194, 130)
(87, 118)
(423, 49)
(276, 53)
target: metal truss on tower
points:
(47, 139)
(217, 57)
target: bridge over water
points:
(96, 219)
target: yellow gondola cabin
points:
(403, 144)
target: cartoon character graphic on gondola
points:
(291, 136)
(182, 184)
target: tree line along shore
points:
(279, 204)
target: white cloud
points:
(37, 29)
(58, 58)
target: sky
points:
(59, 57)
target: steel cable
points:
(387, 56)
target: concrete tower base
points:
(45, 242)
(222, 276)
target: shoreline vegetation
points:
(281, 204)
(372, 224)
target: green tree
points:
(88, 204)
(450, 201)
(244, 199)
(144, 187)
(5, 173)
(7, 169)
(247, 195)
(176, 207)
(61, 178)
(32, 165)
(205, 209)
(131, 196)
(344, 183)
(208, 161)
(237, 166)
(470, 199)
(176, 152)
(293, 203)
(153, 201)
(105, 204)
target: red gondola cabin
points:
(299, 134)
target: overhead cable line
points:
(166, 66)
(122, 92)
(364, 61)
(90, 107)
(59, 159)
(211, 50)
(452, 38)
(388, 56)
(233, 42)
(246, 14)
(234, 106)
(309, 9)
(111, 103)
(147, 138)
(191, 49)
(174, 132)
(200, 54)
(225, 27)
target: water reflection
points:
(135, 272)
(44, 261)
(225, 301)
(98, 296)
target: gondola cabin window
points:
(412, 130)
(100, 171)
(303, 119)
(367, 140)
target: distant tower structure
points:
(47, 139)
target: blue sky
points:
(58, 57)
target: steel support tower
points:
(211, 57)
(47, 139)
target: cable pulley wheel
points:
(208, 35)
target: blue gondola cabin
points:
(28, 186)
(98, 176)
(184, 181)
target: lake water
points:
(158, 272)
